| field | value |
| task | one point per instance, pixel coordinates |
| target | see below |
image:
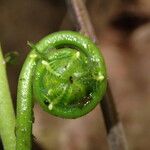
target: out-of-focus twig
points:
(115, 132)
(79, 12)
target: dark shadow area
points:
(127, 21)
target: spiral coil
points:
(66, 74)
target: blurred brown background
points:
(123, 30)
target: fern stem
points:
(7, 116)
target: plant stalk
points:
(7, 115)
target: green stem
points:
(25, 105)
(7, 116)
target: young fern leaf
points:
(66, 74)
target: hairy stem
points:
(25, 105)
(7, 116)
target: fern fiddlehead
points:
(67, 76)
